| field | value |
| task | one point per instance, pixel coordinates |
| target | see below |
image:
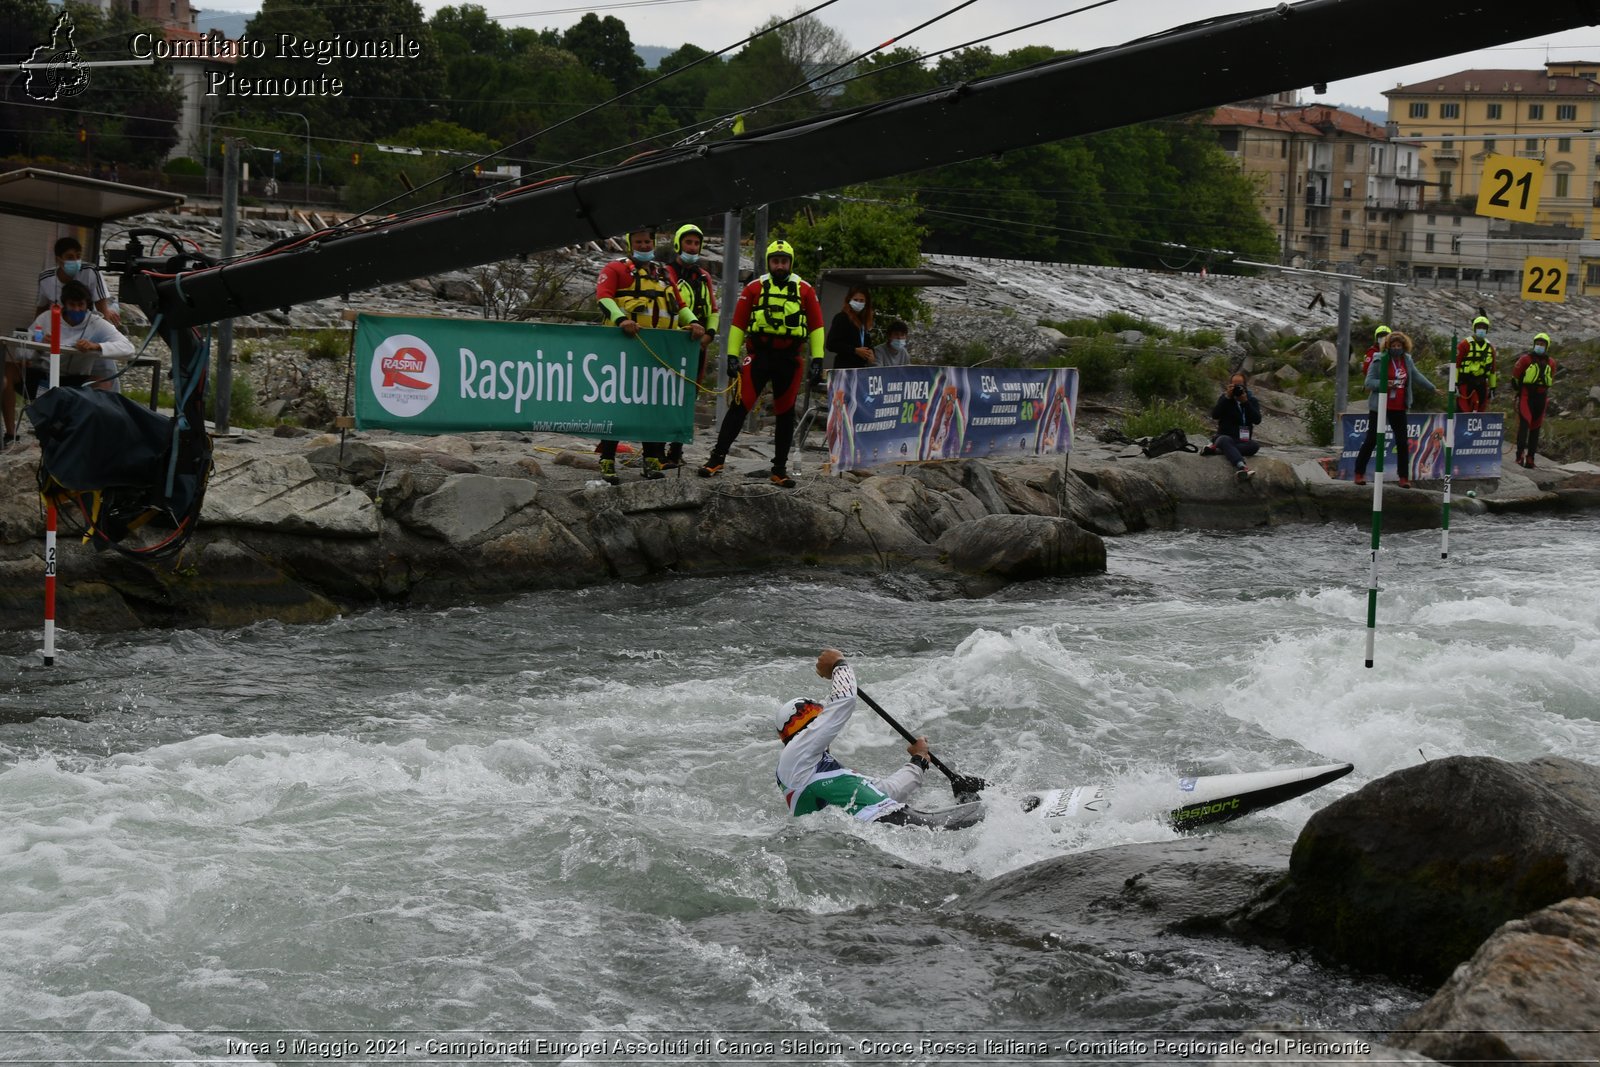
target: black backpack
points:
(1174, 440)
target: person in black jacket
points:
(1237, 413)
(850, 334)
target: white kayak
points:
(1189, 802)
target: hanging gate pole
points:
(1381, 428)
(50, 508)
(1449, 459)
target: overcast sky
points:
(714, 24)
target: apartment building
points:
(1332, 185)
(1553, 115)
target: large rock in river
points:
(1530, 994)
(1410, 874)
(1014, 547)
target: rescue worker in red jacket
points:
(779, 314)
(1377, 346)
(637, 293)
(1532, 377)
(1476, 378)
(697, 289)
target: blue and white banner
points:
(1478, 441)
(899, 414)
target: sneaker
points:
(1529, 464)
(1209, 450)
(608, 472)
(1404, 483)
(1522, 460)
(712, 466)
(652, 469)
(672, 463)
(1361, 479)
(1244, 473)
(782, 480)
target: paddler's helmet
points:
(1542, 337)
(780, 248)
(1380, 333)
(1481, 320)
(795, 715)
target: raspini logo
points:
(405, 375)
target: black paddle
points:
(965, 787)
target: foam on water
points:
(531, 814)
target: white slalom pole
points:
(1377, 504)
(1449, 463)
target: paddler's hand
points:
(827, 660)
(696, 331)
(629, 327)
(918, 749)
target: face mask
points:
(71, 267)
(1538, 350)
(691, 258)
(644, 257)
(858, 306)
(1481, 334)
(74, 318)
(1397, 353)
(898, 344)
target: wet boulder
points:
(1530, 994)
(1410, 874)
(1022, 546)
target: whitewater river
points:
(557, 814)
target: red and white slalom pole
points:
(50, 508)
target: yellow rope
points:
(698, 387)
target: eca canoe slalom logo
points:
(405, 375)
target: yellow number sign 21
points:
(1510, 188)
(1544, 279)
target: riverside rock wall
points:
(300, 529)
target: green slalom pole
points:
(1377, 502)
(1449, 454)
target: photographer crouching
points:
(1237, 413)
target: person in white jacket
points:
(90, 346)
(811, 779)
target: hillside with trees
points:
(482, 95)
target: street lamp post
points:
(209, 127)
(307, 121)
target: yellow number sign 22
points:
(1544, 279)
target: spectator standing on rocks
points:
(1476, 378)
(783, 318)
(697, 289)
(1532, 376)
(850, 333)
(1238, 413)
(637, 292)
(1403, 376)
(893, 352)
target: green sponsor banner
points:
(426, 375)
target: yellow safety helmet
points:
(677, 238)
(1542, 337)
(1380, 331)
(780, 248)
(1484, 319)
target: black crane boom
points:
(1180, 71)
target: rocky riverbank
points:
(300, 528)
(1472, 872)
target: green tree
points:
(862, 232)
(604, 47)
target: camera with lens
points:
(1238, 390)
